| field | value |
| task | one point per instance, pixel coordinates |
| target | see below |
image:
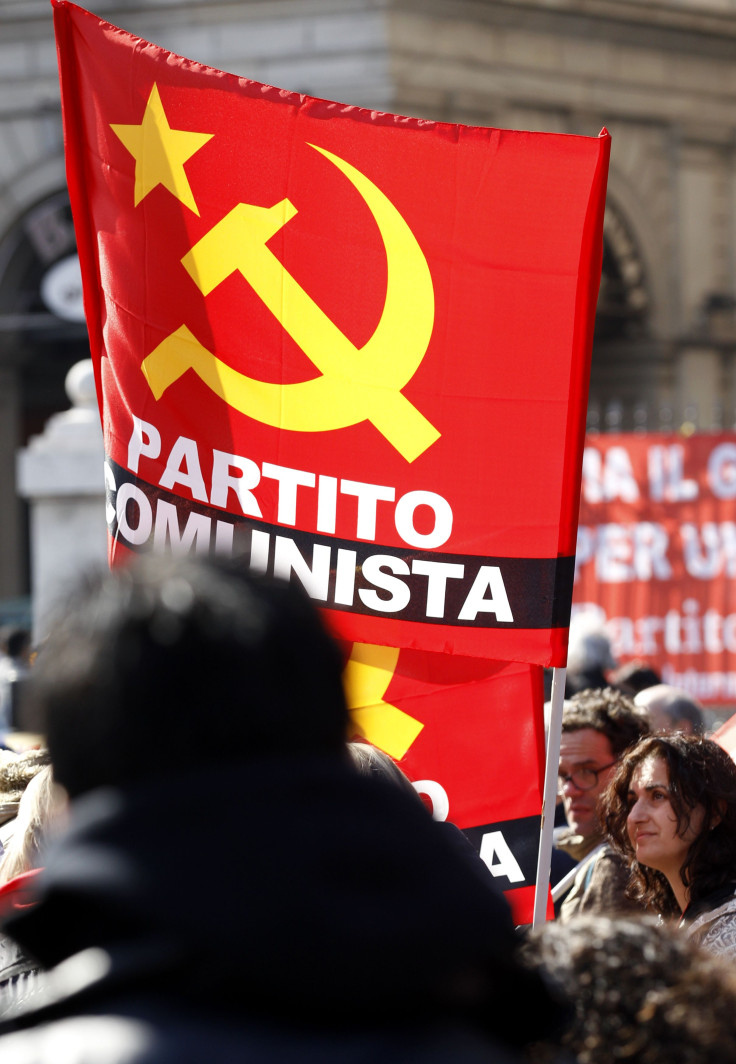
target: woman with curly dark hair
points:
(670, 810)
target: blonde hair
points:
(16, 772)
(37, 808)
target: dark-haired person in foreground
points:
(670, 810)
(230, 887)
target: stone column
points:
(700, 384)
(60, 472)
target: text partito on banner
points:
(656, 554)
(351, 346)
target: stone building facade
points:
(659, 74)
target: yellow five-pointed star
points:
(160, 152)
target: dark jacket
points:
(288, 909)
(599, 888)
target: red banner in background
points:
(656, 554)
(470, 735)
(350, 345)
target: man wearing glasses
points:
(597, 726)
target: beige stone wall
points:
(662, 78)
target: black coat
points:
(268, 911)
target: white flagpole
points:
(544, 860)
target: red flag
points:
(350, 345)
(470, 734)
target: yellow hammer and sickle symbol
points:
(367, 676)
(355, 384)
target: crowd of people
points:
(196, 863)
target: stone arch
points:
(25, 188)
(631, 363)
(624, 302)
(640, 192)
(39, 341)
(42, 329)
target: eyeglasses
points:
(585, 779)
